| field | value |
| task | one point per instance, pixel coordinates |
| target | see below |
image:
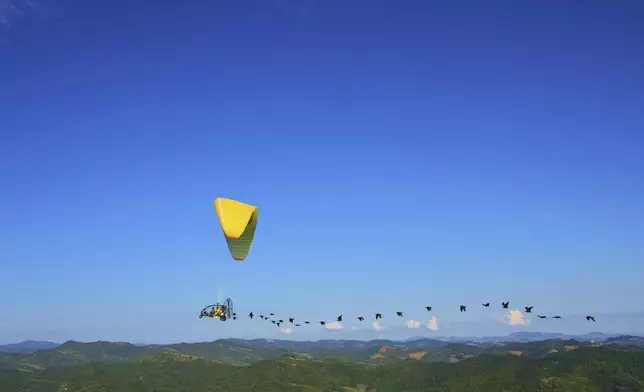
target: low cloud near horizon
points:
(335, 325)
(515, 317)
(377, 326)
(412, 324)
(287, 331)
(433, 324)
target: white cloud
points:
(335, 325)
(286, 330)
(515, 317)
(11, 10)
(412, 324)
(433, 324)
(7, 11)
(377, 326)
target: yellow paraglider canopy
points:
(238, 221)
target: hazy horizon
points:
(615, 324)
(339, 338)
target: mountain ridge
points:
(28, 346)
(245, 352)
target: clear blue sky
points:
(402, 153)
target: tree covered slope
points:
(586, 369)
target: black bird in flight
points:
(487, 305)
(271, 314)
(273, 321)
(339, 318)
(322, 322)
(541, 317)
(297, 325)
(378, 316)
(528, 309)
(307, 322)
(280, 321)
(556, 317)
(505, 304)
(234, 317)
(463, 308)
(429, 308)
(590, 318)
(251, 315)
(262, 317)
(400, 314)
(361, 318)
(290, 320)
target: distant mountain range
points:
(36, 356)
(31, 346)
(28, 346)
(535, 336)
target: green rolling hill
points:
(587, 369)
(240, 352)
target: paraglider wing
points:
(238, 221)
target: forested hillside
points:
(585, 369)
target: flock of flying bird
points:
(239, 242)
(463, 308)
